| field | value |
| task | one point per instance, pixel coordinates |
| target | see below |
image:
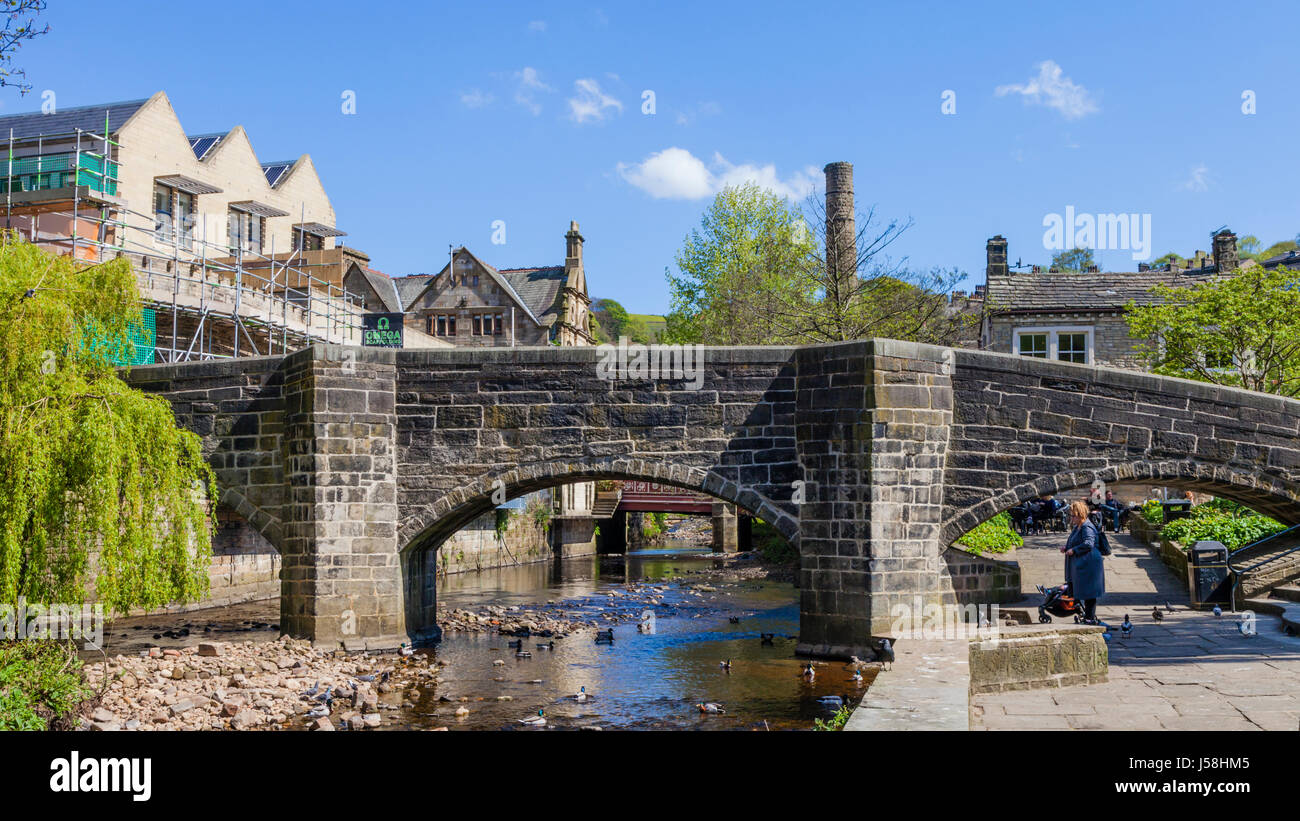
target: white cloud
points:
(474, 98)
(529, 82)
(1199, 180)
(537, 25)
(675, 173)
(1054, 90)
(591, 103)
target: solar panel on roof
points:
(274, 171)
(202, 145)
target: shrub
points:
(1153, 511)
(993, 536)
(1220, 521)
(836, 721)
(771, 545)
(41, 686)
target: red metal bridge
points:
(652, 497)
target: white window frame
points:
(1053, 339)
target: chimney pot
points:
(995, 251)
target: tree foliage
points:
(19, 26)
(1075, 260)
(100, 491)
(1242, 330)
(754, 273)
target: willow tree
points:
(100, 492)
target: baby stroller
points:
(1058, 602)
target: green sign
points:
(381, 330)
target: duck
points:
(406, 650)
(582, 694)
(1126, 629)
(766, 638)
(725, 665)
(538, 720)
(808, 671)
(521, 653)
(856, 678)
(550, 645)
(831, 701)
(734, 619)
(605, 635)
(710, 707)
(517, 644)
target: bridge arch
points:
(429, 527)
(1271, 497)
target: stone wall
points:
(972, 579)
(1034, 657)
(477, 546)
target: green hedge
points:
(1220, 521)
(993, 536)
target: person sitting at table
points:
(1114, 509)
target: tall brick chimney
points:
(1225, 251)
(573, 245)
(841, 226)
(996, 254)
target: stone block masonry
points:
(871, 457)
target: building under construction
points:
(234, 256)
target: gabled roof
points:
(385, 289)
(1104, 291)
(538, 288)
(1290, 259)
(411, 288)
(68, 120)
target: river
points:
(640, 681)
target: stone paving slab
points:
(1188, 671)
(926, 688)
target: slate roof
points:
(1105, 291)
(539, 288)
(409, 287)
(67, 120)
(385, 287)
(1291, 259)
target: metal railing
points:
(1240, 573)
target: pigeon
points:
(1169, 608)
(1126, 629)
(315, 688)
(886, 652)
(1217, 611)
(766, 638)
(1156, 614)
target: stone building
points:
(1079, 317)
(470, 303)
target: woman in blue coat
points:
(1083, 563)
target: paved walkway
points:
(1187, 672)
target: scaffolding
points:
(208, 300)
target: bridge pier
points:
(872, 429)
(724, 528)
(341, 575)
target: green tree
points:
(100, 491)
(1076, 260)
(1241, 330)
(1166, 259)
(752, 273)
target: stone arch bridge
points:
(871, 457)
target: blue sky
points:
(532, 114)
